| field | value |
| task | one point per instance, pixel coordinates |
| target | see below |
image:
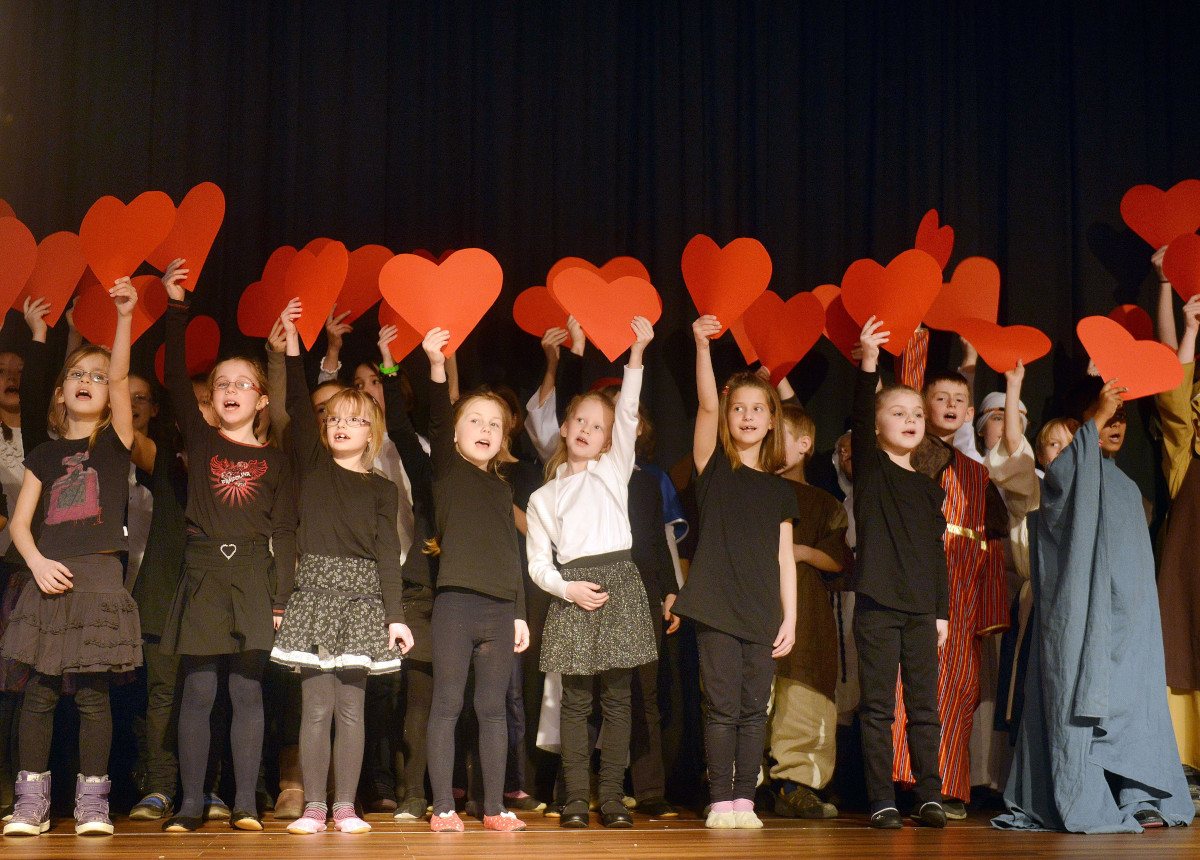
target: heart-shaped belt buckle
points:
(229, 550)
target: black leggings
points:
(200, 674)
(37, 722)
(470, 629)
(325, 693)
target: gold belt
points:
(970, 534)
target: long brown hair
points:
(771, 456)
(560, 453)
(56, 417)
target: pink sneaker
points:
(446, 822)
(305, 826)
(505, 822)
(351, 824)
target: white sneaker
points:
(722, 821)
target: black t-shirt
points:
(733, 583)
(84, 494)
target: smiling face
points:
(366, 378)
(235, 405)
(11, 365)
(144, 407)
(84, 398)
(748, 416)
(900, 421)
(587, 431)
(948, 404)
(479, 430)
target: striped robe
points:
(978, 607)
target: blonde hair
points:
(259, 375)
(771, 455)
(354, 401)
(801, 424)
(560, 453)
(56, 417)
(1068, 424)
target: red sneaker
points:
(447, 822)
(505, 822)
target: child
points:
(902, 586)
(479, 609)
(803, 729)
(600, 625)
(741, 590)
(75, 617)
(345, 618)
(241, 518)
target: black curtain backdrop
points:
(542, 129)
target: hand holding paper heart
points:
(937, 242)
(604, 310)
(95, 315)
(1159, 216)
(725, 281)
(898, 295)
(1143, 367)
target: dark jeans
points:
(645, 739)
(887, 638)
(736, 675)
(576, 744)
(470, 630)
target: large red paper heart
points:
(937, 242)
(407, 338)
(201, 344)
(197, 222)
(116, 238)
(842, 331)
(605, 310)
(453, 295)
(973, 291)
(899, 294)
(316, 279)
(361, 290)
(1135, 320)
(263, 301)
(1144, 367)
(742, 338)
(18, 257)
(617, 267)
(783, 332)
(6, 211)
(1001, 347)
(725, 281)
(95, 315)
(1159, 216)
(59, 267)
(1181, 264)
(535, 311)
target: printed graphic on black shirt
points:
(235, 483)
(75, 497)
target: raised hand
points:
(173, 279)
(434, 341)
(869, 341)
(335, 329)
(704, 329)
(35, 311)
(124, 296)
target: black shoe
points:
(242, 820)
(930, 814)
(615, 815)
(575, 814)
(1149, 819)
(657, 807)
(182, 824)
(954, 808)
(887, 819)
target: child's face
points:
(234, 404)
(1056, 441)
(205, 399)
(347, 433)
(900, 422)
(795, 448)
(948, 405)
(366, 378)
(1112, 434)
(993, 429)
(587, 431)
(320, 397)
(479, 431)
(749, 416)
(85, 398)
(11, 366)
(144, 407)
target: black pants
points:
(327, 695)
(576, 744)
(645, 739)
(37, 722)
(470, 630)
(887, 638)
(736, 675)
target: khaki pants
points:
(803, 734)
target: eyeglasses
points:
(239, 384)
(93, 375)
(142, 399)
(351, 421)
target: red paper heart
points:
(1144, 367)
(316, 246)
(18, 257)
(95, 315)
(407, 338)
(431, 257)
(535, 311)
(725, 281)
(201, 344)
(973, 291)
(116, 238)
(1134, 320)
(197, 222)
(6, 211)
(361, 290)
(1181, 264)
(937, 242)
(316, 279)
(1159, 216)
(604, 310)
(783, 332)
(742, 338)
(453, 295)
(840, 329)
(899, 294)
(59, 267)
(1001, 347)
(263, 301)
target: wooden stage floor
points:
(683, 838)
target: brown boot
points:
(289, 805)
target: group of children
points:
(354, 552)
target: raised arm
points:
(120, 403)
(1191, 324)
(35, 378)
(624, 436)
(704, 440)
(862, 414)
(441, 413)
(277, 379)
(1164, 311)
(1013, 431)
(306, 435)
(179, 384)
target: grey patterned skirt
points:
(618, 635)
(335, 618)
